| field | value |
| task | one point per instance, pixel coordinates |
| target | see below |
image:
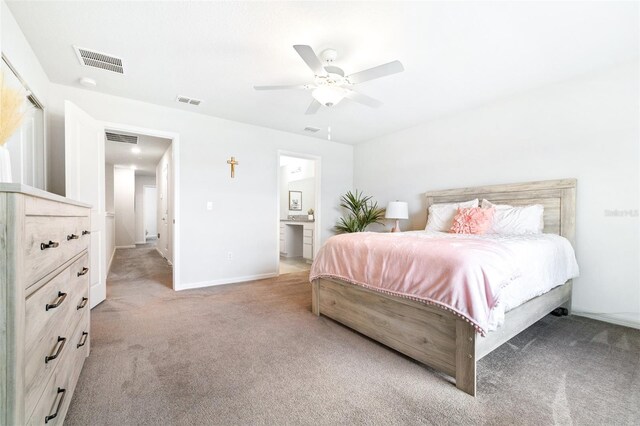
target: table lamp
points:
(397, 210)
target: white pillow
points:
(512, 220)
(441, 215)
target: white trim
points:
(224, 281)
(126, 247)
(608, 318)
(317, 207)
(175, 153)
(141, 242)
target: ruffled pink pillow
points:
(472, 220)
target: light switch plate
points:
(209, 205)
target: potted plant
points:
(11, 114)
(362, 212)
(310, 214)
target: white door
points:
(84, 170)
(150, 210)
(164, 206)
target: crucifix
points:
(233, 163)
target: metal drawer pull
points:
(83, 272)
(83, 339)
(50, 244)
(82, 304)
(60, 345)
(58, 301)
(53, 416)
(72, 237)
(86, 232)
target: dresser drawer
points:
(51, 241)
(307, 233)
(58, 390)
(48, 332)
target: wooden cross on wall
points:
(233, 163)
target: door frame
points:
(144, 214)
(318, 207)
(175, 154)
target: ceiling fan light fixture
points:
(328, 95)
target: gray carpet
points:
(254, 354)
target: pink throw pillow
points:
(472, 220)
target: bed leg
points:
(465, 357)
(315, 297)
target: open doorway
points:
(138, 195)
(299, 199)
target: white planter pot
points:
(5, 165)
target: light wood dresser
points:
(44, 303)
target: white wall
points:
(109, 190)
(307, 187)
(124, 202)
(110, 239)
(244, 216)
(139, 205)
(297, 174)
(19, 53)
(586, 128)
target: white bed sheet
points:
(545, 261)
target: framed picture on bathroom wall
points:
(295, 200)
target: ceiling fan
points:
(330, 85)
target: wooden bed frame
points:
(437, 337)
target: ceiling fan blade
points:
(363, 99)
(376, 72)
(314, 106)
(310, 58)
(291, 86)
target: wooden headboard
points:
(557, 196)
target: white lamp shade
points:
(328, 95)
(397, 210)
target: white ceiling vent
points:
(311, 129)
(188, 100)
(104, 61)
(118, 137)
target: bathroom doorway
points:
(299, 207)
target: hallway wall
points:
(124, 202)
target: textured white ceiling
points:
(457, 55)
(151, 151)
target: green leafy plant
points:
(362, 212)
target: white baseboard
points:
(162, 255)
(613, 319)
(227, 281)
(125, 247)
(141, 242)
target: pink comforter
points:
(464, 276)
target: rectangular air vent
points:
(311, 129)
(188, 100)
(117, 137)
(104, 61)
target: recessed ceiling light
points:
(135, 150)
(88, 82)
